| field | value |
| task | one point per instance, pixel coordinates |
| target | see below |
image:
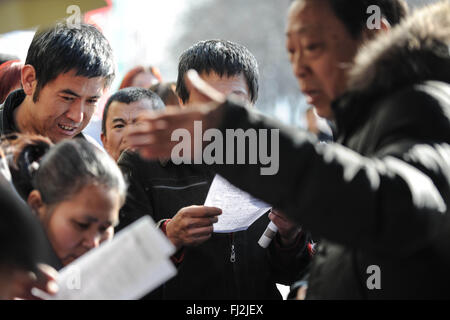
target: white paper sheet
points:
(239, 209)
(135, 262)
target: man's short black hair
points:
(62, 48)
(222, 57)
(353, 13)
(130, 95)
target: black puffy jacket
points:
(380, 197)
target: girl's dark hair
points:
(24, 152)
(73, 164)
(59, 171)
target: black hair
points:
(62, 48)
(73, 164)
(222, 57)
(353, 13)
(129, 95)
(23, 152)
(166, 91)
(59, 171)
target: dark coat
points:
(160, 189)
(381, 195)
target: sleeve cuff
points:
(178, 257)
(279, 245)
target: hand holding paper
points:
(136, 261)
(239, 209)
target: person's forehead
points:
(82, 84)
(92, 201)
(124, 110)
(225, 81)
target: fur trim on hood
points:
(417, 50)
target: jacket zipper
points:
(233, 252)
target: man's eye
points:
(92, 101)
(69, 99)
(103, 229)
(313, 46)
(82, 226)
(118, 126)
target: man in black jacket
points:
(66, 71)
(211, 265)
(380, 196)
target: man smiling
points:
(66, 71)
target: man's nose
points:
(92, 240)
(76, 111)
(299, 65)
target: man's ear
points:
(35, 202)
(385, 25)
(103, 138)
(369, 34)
(28, 78)
(180, 102)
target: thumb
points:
(196, 84)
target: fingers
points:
(192, 225)
(301, 293)
(280, 220)
(206, 92)
(46, 279)
(152, 135)
(201, 232)
(47, 272)
(22, 282)
(288, 230)
(202, 222)
(202, 211)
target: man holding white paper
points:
(211, 265)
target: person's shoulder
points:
(422, 101)
(91, 140)
(420, 111)
(130, 158)
(428, 96)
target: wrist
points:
(289, 239)
(167, 231)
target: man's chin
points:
(324, 111)
(60, 137)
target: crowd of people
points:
(372, 192)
